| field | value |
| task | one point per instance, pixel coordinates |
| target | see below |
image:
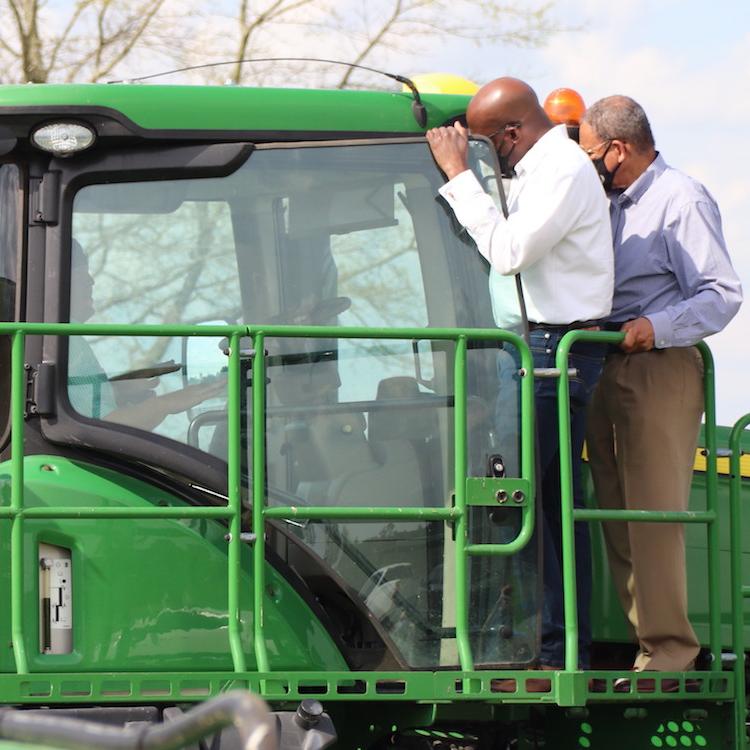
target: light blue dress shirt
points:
(671, 262)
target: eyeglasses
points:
(591, 151)
(504, 128)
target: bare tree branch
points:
(63, 37)
(92, 38)
(376, 39)
(12, 52)
(278, 9)
(148, 11)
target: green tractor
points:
(260, 433)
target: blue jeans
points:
(587, 359)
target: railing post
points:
(232, 512)
(738, 599)
(712, 530)
(235, 504)
(570, 595)
(459, 415)
(18, 406)
(259, 499)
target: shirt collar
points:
(637, 190)
(538, 152)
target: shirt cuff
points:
(663, 332)
(462, 186)
(472, 206)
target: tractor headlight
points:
(63, 138)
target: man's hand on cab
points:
(450, 147)
(639, 336)
(147, 414)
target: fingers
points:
(639, 336)
(453, 134)
(628, 343)
(450, 148)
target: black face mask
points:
(505, 169)
(605, 175)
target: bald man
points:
(557, 236)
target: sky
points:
(687, 63)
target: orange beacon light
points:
(565, 106)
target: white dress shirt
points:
(557, 234)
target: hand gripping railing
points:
(739, 591)
(570, 514)
(17, 512)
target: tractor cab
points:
(267, 421)
(327, 234)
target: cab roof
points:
(145, 109)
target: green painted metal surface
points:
(567, 688)
(658, 726)
(235, 108)
(150, 593)
(490, 492)
(739, 591)
(171, 606)
(178, 613)
(20, 497)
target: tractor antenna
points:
(418, 108)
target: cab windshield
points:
(331, 235)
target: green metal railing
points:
(739, 591)
(571, 515)
(569, 685)
(237, 335)
(456, 514)
(17, 512)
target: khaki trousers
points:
(642, 433)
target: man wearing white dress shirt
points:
(557, 236)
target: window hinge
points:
(40, 390)
(45, 198)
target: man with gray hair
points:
(674, 285)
